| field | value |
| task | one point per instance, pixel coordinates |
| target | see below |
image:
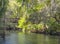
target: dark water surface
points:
(31, 38)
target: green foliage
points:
(41, 25)
(51, 21)
(33, 14)
(34, 17)
(48, 2)
(39, 7)
(21, 22)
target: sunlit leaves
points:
(39, 6)
(41, 25)
(21, 21)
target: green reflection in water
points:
(37, 39)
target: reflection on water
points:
(21, 38)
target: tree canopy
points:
(35, 14)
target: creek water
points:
(29, 38)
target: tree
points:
(3, 6)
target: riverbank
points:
(46, 33)
(49, 32)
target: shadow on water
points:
(2, 39)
